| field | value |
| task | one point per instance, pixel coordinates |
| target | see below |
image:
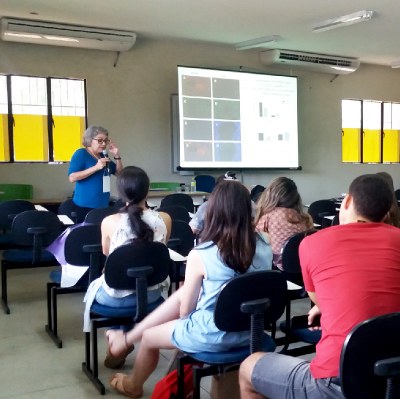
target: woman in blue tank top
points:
(229, 247)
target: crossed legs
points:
(154, 332)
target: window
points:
(370, 131)
(43, 119)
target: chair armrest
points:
(174, 242)
(256, 306)
(388, 367)
(140, 273)
(256, 309)
(96, 260)
(37, 233)
(36, 230)
(90, 248)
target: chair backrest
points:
(181, 199)
(79, 236)
(134, 255)
(370, 341)
(29, 219)
(73, 211)
(290, 257)
(397, 194)
(184, 236)
(256, 192)
(176, 212)
(12, 207)
(11, 191)
(319, 209)
(96, 216)
(251, 286)
(205, 183)
(335, 220)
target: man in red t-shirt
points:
(352, 273)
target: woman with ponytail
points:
(133, 222)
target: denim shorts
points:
(103, 298)
(279, 376)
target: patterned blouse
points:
(280, 224)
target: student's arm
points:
(168, 223)
(314, 312)
(194, 276)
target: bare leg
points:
(146, 360)
(246, 369)
(119, 342)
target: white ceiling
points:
(232, 21)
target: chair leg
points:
(52, 314)
(53, 290)
(286, 339)
(196, 383)
(91, 367)
(4, 288)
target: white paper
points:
(70, 275)
(40, 208)
(64, 219)
(175, 256)
(292, 286)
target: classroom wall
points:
(132, 100)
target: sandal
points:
(114, 362)
(117, 382)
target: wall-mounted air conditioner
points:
(314, 62)
(38, 32)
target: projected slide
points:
(237, 119)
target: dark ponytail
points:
(133, 186)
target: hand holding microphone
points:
(103, 160)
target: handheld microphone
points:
(104, 154)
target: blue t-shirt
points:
(89, 192)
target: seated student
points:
(351, 272)
(186, 319)
(134, 222)
(280, 214)
(197, 223)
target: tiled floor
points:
(31, 366)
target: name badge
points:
(106, 184)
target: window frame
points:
(49, 138)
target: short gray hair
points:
(91, 132)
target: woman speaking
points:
(90, 169)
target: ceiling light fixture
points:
(259, 42)
(345, 20)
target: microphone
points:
(104, 154)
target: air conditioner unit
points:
(38, 32)
(314, 62)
